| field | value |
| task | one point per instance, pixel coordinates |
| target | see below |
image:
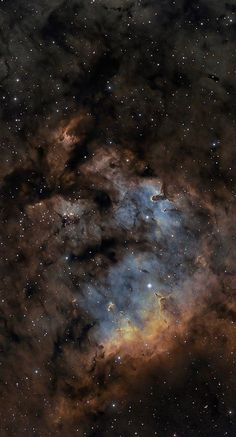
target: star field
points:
(117, 229)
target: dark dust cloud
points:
(117, 167)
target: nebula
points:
(117, 232)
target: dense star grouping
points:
(117, 306)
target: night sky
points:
(118, 218)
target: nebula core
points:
(118, 229)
